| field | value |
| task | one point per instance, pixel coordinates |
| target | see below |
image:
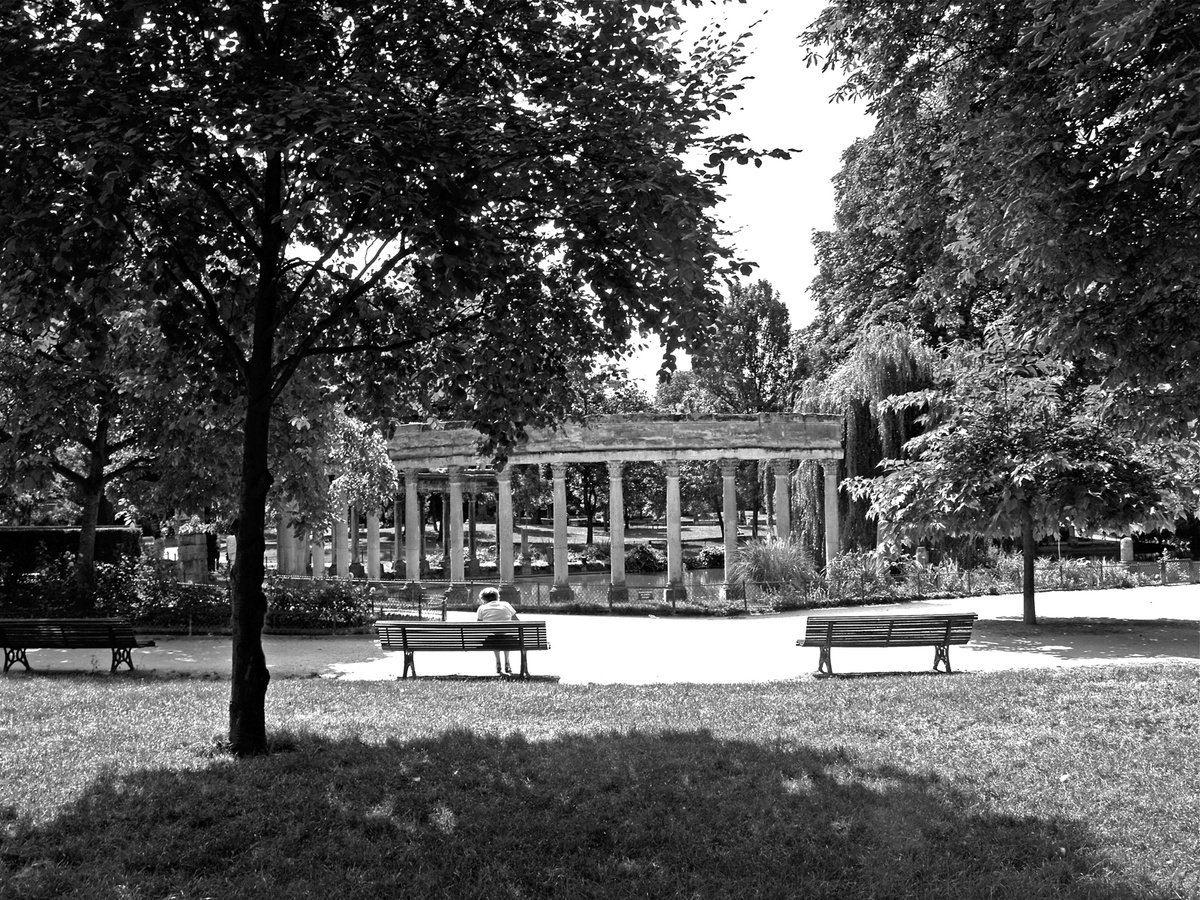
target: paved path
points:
(1139, 625)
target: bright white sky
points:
(774, 210)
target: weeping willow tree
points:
(887, 360)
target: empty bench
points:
(937, 631)
(19, 635)
(411, 637)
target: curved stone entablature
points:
(630, 438)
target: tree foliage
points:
(332, 460)
(539, 171)
(751, 369)
(887, 262)
(884, 361)
(81, 403)
(1013, 446)
(1069, 160)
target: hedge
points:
(27, 548)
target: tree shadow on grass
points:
(677, 814)
(1094, 638)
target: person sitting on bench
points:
(493, 609)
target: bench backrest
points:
(885, 631)
(411, 636)
(66, 633)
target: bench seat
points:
(409, 637)
(19, 635)
(926, 630)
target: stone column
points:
(397, 518)
(783, 504)
(618, 592)
(472, 557)
(414, 528)
(832, 537)
(422, 539)
(526, 556)
(341, 540)
(316, 549)
(298, 551)
(504, 535)
(282, 550)
(729, 513)
(289, 550)
(355, 554)
(374, 557)
(453, 545)
(675, 589)
(445, 498)
(561, 590)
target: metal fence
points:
(845, 586)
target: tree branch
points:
(318, 265)
(286, 368)
(405, 344)
(138, 462)
(70, 474)
(206, 184)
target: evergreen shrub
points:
(710, 556)
(29, 548)
(642, 558)
(333, 604)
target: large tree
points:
(274, 167)
(79, 401)
(753, 367)
(887, 261)
(1069, 162)
(880, 362)
(1015, 446)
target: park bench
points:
(937, 631)
(445, 636)
(20, 635)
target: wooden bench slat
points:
(411, 637)
(937, 630)
(19, 635)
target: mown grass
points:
(1068, 783)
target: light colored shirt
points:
(496, 611)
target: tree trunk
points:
(248, 688)
(1027, 554)
(92, 490)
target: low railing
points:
(433, 598)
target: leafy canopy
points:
(1068, 157)
(1009, 442)
(481, 192)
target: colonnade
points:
(618, 590)
(293, 553)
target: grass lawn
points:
(1068, 783)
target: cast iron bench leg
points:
(941, 654)
(824, 666)
(524, 665)
(409, 665)
(15, 655)
(122, 655)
